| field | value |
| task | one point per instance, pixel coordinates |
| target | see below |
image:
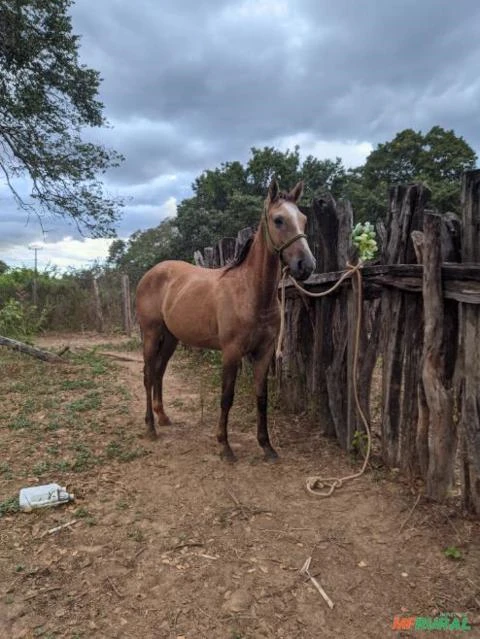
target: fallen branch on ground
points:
(46, 356)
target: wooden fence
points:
(420, 338)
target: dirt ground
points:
(176, 543)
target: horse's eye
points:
(278, 221)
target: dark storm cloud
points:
(188, 85)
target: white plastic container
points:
(42, 496)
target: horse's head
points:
(284, 225)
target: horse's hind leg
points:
(167, 348)
(260, 372)
(151, 342)
(229, 375)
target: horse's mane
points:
(244, 250)
(241, 255)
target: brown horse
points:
(234, 309)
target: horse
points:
(234, 309)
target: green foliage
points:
(363, 237)
(437, 158)
(360, 443)
(66, 299)
(143, 250)
(9, 506)
(47, 100)
(452, 552)
(267, 163)
(21, 321)
(225, 200)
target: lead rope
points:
(316, 483)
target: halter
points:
(268, 237)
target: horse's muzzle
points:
(302, 268)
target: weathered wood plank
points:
(442, 436)
(405, 213)
(226, 250)
(322, 230)
(198, 258)
(461, 281)
(339, 374)
(469, 362)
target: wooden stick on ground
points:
(305, 571)
(46, 356)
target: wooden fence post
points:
(226, 250)
(126, 305)
(442, 436)
(469, 366)
(401, 325)
(98, 306)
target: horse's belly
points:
(192, 319)
(199, 337)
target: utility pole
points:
(36, 248)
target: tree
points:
(438, 158)
(269, 162)
(143, 250)
(323, 175)
(47, 99)
(213, 189)
(229, 198)
(3, 267)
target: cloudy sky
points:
(188, 84)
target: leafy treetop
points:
(47, 99)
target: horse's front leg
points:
(260, 371)
(229, 376)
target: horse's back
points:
(182, 296)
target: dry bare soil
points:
(171, 542)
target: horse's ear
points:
(297, 191)
(273, 190)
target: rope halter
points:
(278, 249)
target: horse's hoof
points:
(271, 457)
(228, 455)
(152, 434)
(164, 421)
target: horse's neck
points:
(263, 268)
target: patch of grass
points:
(91, 401)
(77, 384)
(84, 458)
(28, 404)
(53, 450)
(118, 450)
(96, 363)
(50, 403)
(133, 344)
(81, 512)
(136, 534)
(6, 471)
(454, 553)
(53, 425)
(9, 506)
(84, 397)
(63, 466)
(122, 504)
(42, 467)
(125, 393)
(20, 422)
